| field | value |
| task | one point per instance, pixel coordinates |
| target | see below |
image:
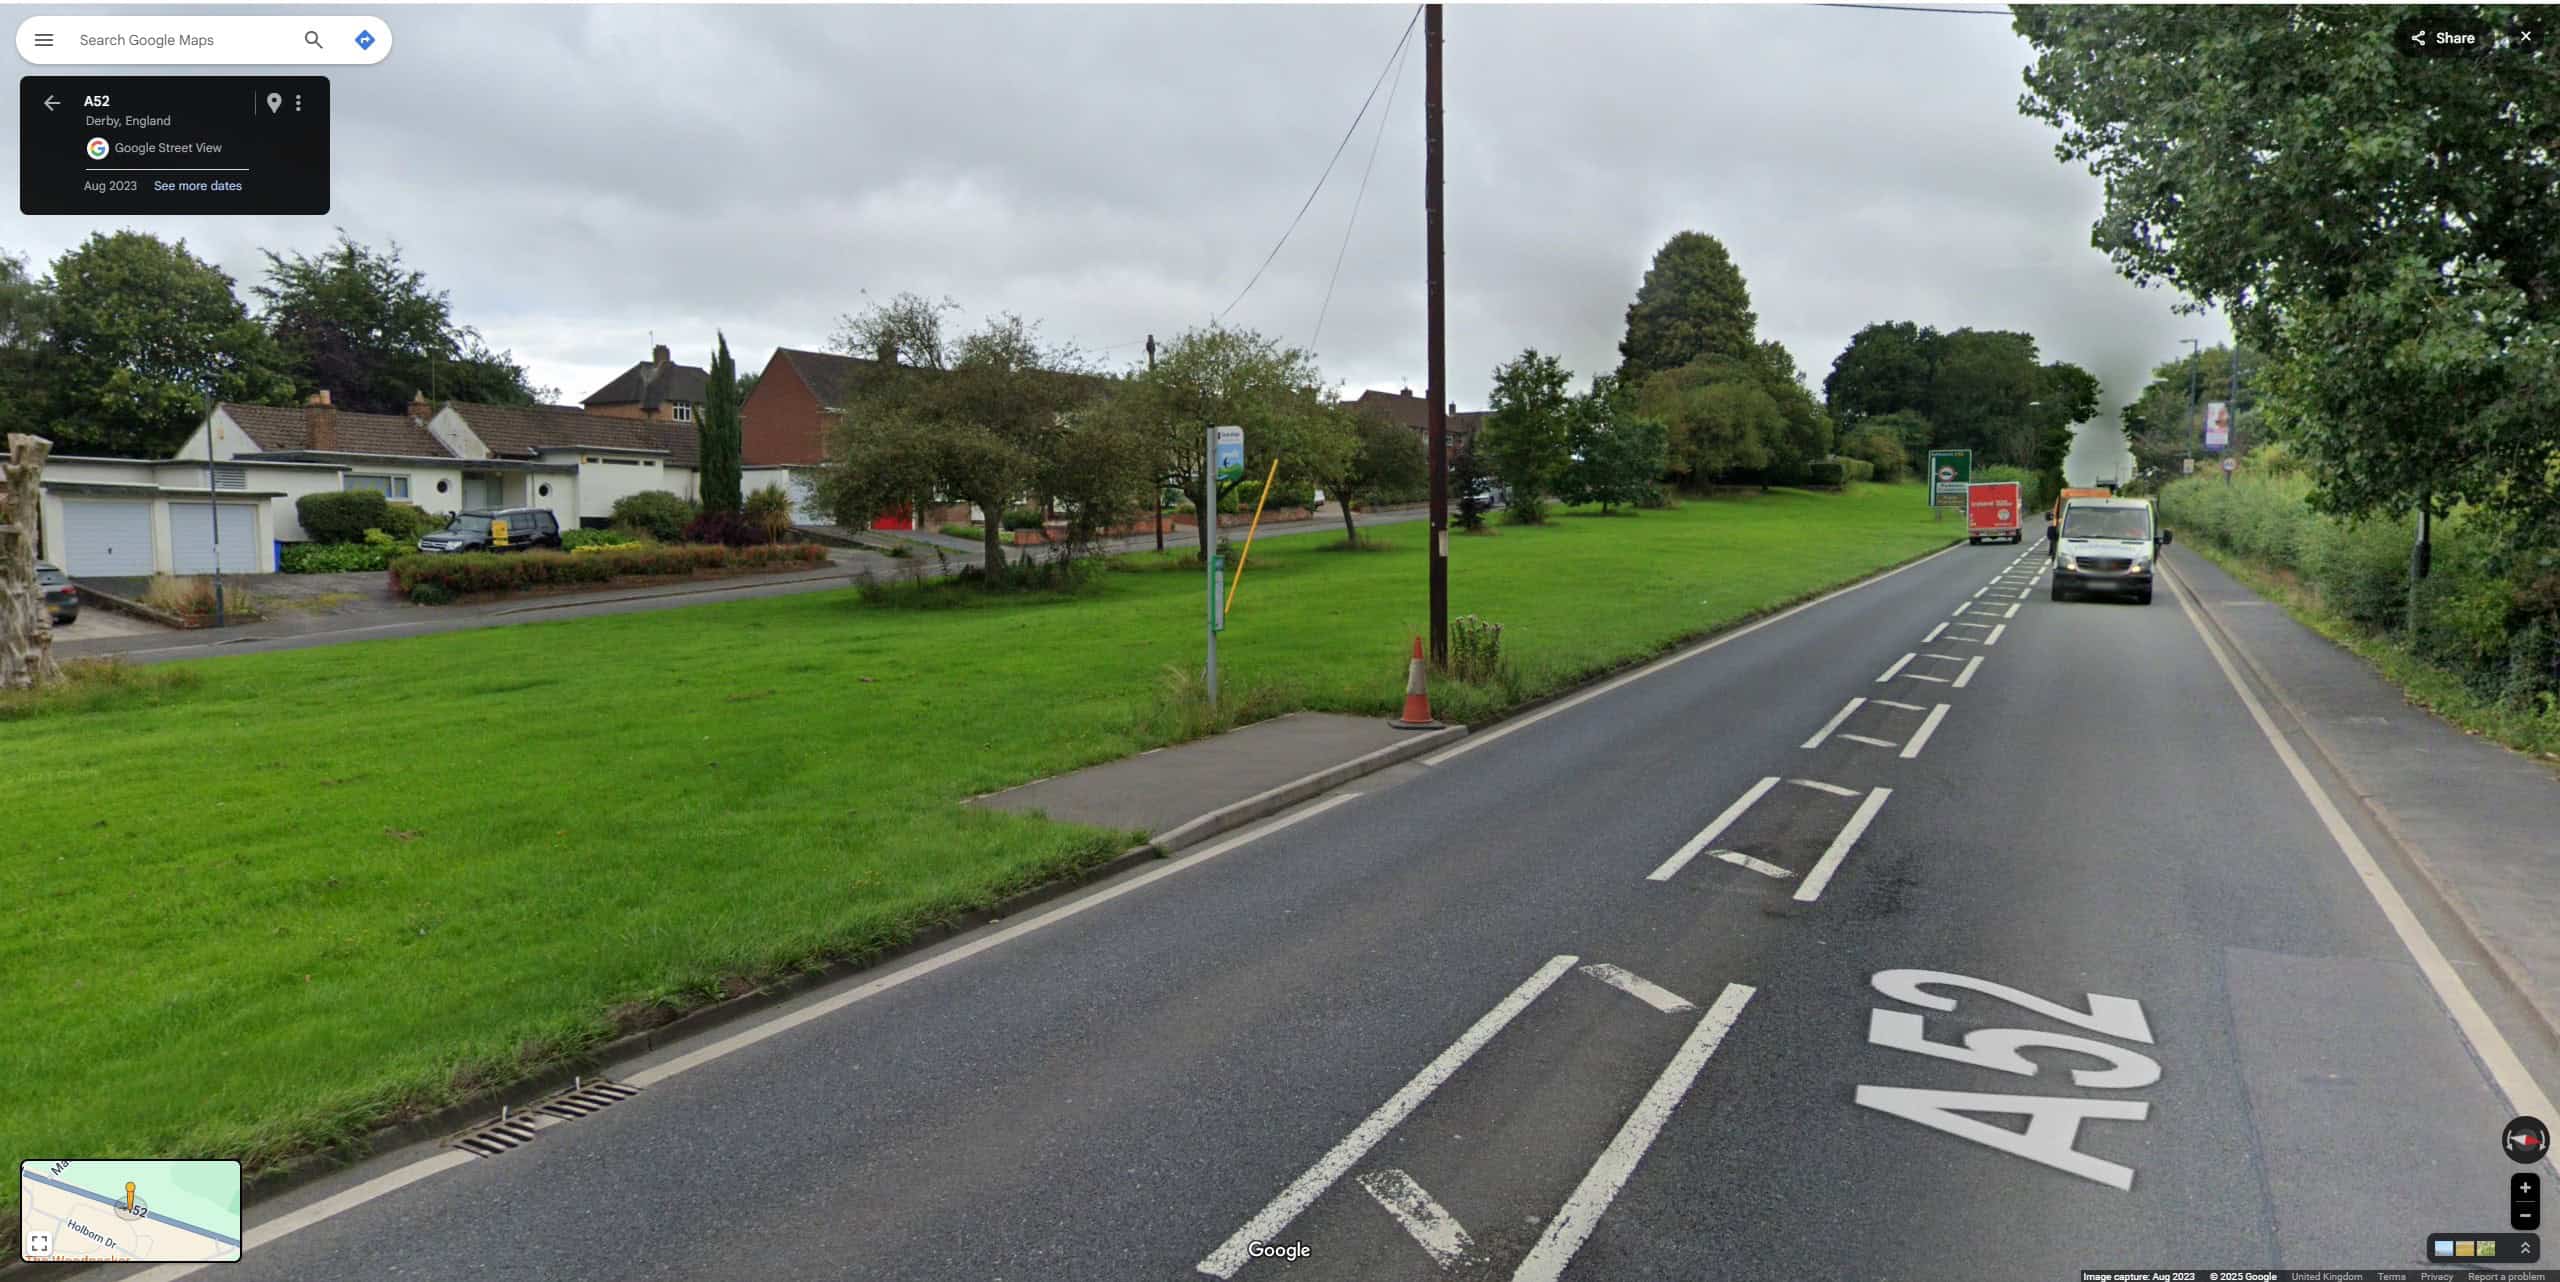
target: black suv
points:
(499, 529)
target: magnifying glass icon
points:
(311, 38)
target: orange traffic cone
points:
(1417, 702)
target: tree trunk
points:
(993, 533)
(26, 626)
(1350, 532)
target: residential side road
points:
(1934, 930)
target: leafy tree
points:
(1216, 376)
(1525, 437)
(1466, 483)
(1618, 455)
(24, 308)
(1887, 368)
(1879, 445)
(357, 323)
(1693, 303)
(2386, 228)
(987, 429)
(906, 331)
(1386, 458)
(2162, 426)
(2066, 396)
(1718, 415)
(1980, 397)
(720, 438)
(141, 335)
(747, 384)
(1805, 433)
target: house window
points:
(390, 487)
(684, 411)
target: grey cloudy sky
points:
(579, 177)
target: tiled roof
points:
(648, 385)
(830, 376)
(521, 430)
(1414, 412)
(288, 427)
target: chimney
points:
(658, 355)
(420, 409)
(1453, 409)
(322, 419)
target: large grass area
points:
(311, 891)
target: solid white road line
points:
(1951, 658)
(1933, 632)
(1928, 726)
(739, 1041)
(1897, 667)
(1438, 1232)
(1833, 723)
(1833, 788)
(1475, 741)
(1689, 850)
(2523, 1093)
(1590, 1199)
(1820, 877)
(1741, 860)
(1870, 740)
(1922, 676)
(1965, 677)
(1889, 703)
(257, 1233)
(1644, 990)
(1266, 1225)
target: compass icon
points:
(2527, 1139)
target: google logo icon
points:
(97, 149)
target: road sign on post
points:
(1223, 465)
(1950, 477)
(2229, 465)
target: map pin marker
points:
(275, 102)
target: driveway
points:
(305, 610)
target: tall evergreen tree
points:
(722, 439)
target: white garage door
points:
(191, 539)
(105, 537)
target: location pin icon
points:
(275, 102)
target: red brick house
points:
(786, 418)
(1411, 411)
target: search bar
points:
(289, 40)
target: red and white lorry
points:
(1992, 512)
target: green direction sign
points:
(1950, 472)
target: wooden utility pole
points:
(1159, 483)
(1439, 355)
(26, 624)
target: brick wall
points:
(781, 421)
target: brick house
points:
(656, 390)
(1414, 412)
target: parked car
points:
(497, 529)
(61, 595)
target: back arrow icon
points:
(48, 102)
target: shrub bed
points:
(481, 572)
(377, 552)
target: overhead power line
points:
(1916, 8)
(1329, 164)
(1385, 114)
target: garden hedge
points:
(479, 572)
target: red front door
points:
(894, 519)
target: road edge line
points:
(2489, 1046)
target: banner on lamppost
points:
(2217, 426)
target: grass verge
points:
(325, 889)
(2534, 731)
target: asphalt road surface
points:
(2038, 957)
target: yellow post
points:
(1247, 554)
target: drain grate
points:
(586, 1098)
(514, 1129)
